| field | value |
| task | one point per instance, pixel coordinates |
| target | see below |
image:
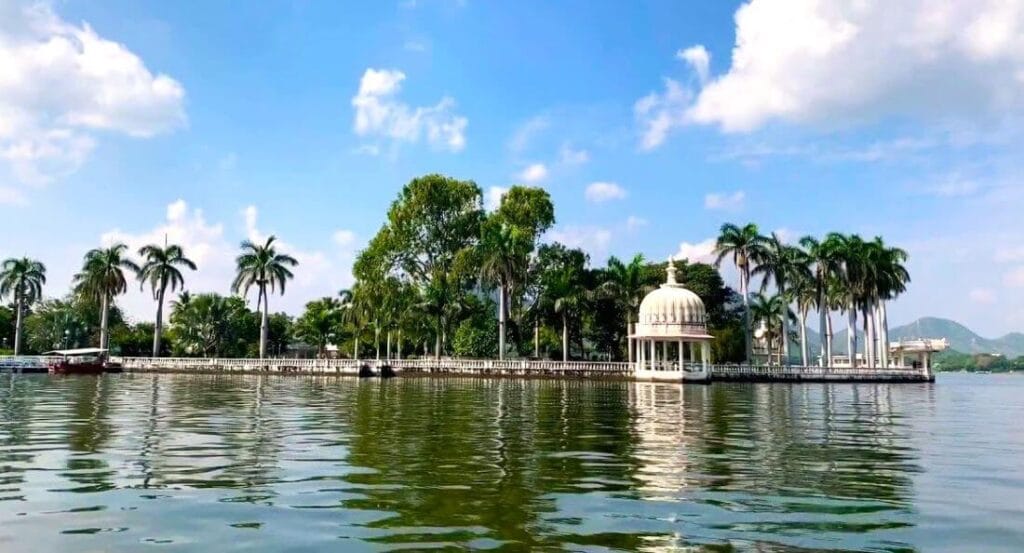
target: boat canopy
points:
(74, 352)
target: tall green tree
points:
(826, 261)
(627, 284)
(261, 265)
(782, 265)
(22, 281)
(431, 224)
(745, 245)
(320, 324)
(161, 269)
(103, 278)
(211, 325)
(774, 315)
(563, 290)
(501, 251)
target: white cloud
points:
(569, 156)
(982, 295)
(494, 196)
(415, 46)
(593, 240)
(1009, 254)
(658, 114)
(62, 82)
(633, 222)
(699, 59)
(379, 113)
(700, 252)
(1014, 277)
(598, 192)
(203, 242)
(834, 61)
(526, 132)
(534, 173)
(344, 238)
(12, 196)
(726, 202)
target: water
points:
(244, 463)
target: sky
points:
(650, 124)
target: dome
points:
(672, 311)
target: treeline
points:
(443, 276)
(954, 361)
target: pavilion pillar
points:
(705, 354)
(693, 352)
(630, 330)
(680, 342)
(654, 355)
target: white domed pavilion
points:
(671, 327)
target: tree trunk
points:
(826, 340)
(355, 344)
(264, 324)
(536, 340)
(828, 334)
(565, 337)
(17, 325)
(399, 344)
(748, 336)
(884, 315)
(851, 334)
(784, 359)
(869, 353)
(803, 336)
(501, 321)
(376, 339)
(158, 327)
(437, 340)
(389, 346)
(104, 317)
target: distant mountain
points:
(960, 337)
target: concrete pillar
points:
(630, 329)
(654, 355)
(705, 354)
(680, 343)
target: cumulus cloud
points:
(63, 82)
(494, 196)
(319, 272)
(660, 113)
(725, 202)
(598, 192)
(570, 156)
(534, 173)
(699, 59)
(822, 60)
(591, 239)
(700, 252)
(835, 62)
(633, 222)
(379, 113)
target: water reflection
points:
(231, 462)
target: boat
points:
(82, 361)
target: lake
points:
(246, 463)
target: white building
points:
(670, 339)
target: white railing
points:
(9, 362)
(511, 368)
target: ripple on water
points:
(308, 463)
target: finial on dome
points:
(671, 270)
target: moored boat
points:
(82, 361)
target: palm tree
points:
(261, 266)
(320, 323)
(161, 270)
(805, 292)
(22, 280)
(626, 283)
(825, 256)
(768, 311)
(782, 265)
(501, 249)
(102, 278)
(566, 295)
(850, 286)
(893, 281)
(745, 245)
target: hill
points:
(960, 337)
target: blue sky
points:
(649, 123)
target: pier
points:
(515, 368)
